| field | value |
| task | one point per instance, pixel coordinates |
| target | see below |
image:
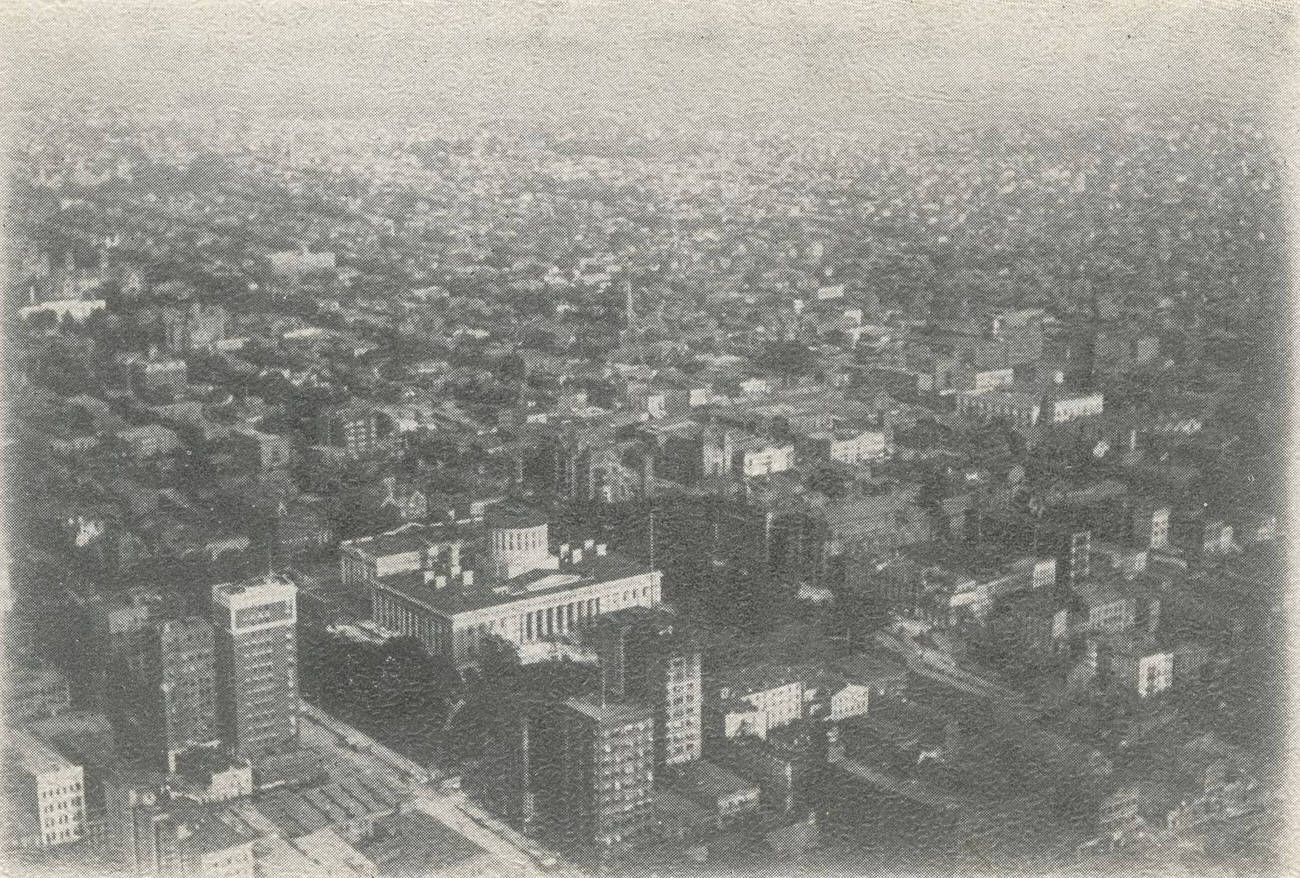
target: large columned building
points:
(521, 592)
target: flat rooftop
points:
(704, 778)
(413, 843)
(611, 713)
(512, 517)
(972, 560)
(591, 570)
(34, 756)
(304, 811)
(406, 539)
(269, 581)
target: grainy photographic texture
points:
(646, 438)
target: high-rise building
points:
(603, 791)
(648, 656)
(256, 663)
(178, 686)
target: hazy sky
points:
(831, 63)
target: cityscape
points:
(615, 493)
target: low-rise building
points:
(521, 592)
(1020, 408)
(350, 804)
(848, 446)
(44, 792)
(1135, 663)
(149, 440)
(727, 796)
(1064, 408)
(761, 458)
(159, 374)
(356, 430)
(154, 834)
(259, 451)
(758, 699)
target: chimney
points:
(589, 545)
(601, 550)
(467, 578)
(577, 556)
(564, 551)
(453, 552)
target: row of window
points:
(51, 792)
(74, 803)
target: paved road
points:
(463, 816)
(454, 810)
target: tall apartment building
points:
(178, 688)
(604, 772)
(256, 664)
(116, 630)
(44, 792)
(648, 656)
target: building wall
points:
(991, 379)
(852, 700)
(60, 796)
(37, 692)
(184, 675)
(257, 674)
(236, 862)
(682, 732)
(779, 705)
(993, 405)
(157, 375)
(768, 460)
(1072, 408)
(1117, 615)
(1155, 674)
(521, 622)
(607, 777)
(869, 445)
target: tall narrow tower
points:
(257, 664)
